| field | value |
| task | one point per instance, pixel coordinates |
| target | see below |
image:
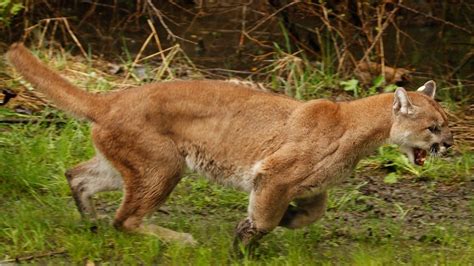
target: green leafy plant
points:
(354, 86)
(351, 85)
(434, 168)
(8, 9)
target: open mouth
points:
(419, 156)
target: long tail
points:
(62, 93)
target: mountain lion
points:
(278, 149)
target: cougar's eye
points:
(434, 129)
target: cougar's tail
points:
(61, 92)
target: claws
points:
(246, 237)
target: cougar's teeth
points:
(420, 156)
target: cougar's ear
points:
(428, 89)
(401, 102)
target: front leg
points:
(266, 209)
(306, 211)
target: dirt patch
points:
(415, 207)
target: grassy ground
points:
(388, 212)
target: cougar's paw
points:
(167, 235)
(246, 238)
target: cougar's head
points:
(420, 125)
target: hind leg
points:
(150, 170)
(144, 195)
(89, 178)
(143, 198)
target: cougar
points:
(284, 152)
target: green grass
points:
(38, 216)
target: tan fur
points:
(278, 149)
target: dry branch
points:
(159, 15)
(261, 22)
(379, 34)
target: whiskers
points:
(434, 153)
(435, 150)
